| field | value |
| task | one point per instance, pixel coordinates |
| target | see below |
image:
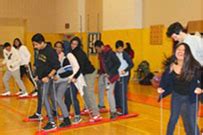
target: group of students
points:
(17, 61)
(58, 77)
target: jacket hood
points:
(76, 49)
(107, 48)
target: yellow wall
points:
(155, 53)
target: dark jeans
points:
(182, 104)
(39, 98)
(121, 88)
(75, 101)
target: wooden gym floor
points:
(143, 100)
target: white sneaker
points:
(34, 94)
(108, 86)
(24, 95)
(8, 93)
(19, 93)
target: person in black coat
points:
(89, 72)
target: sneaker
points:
(33, 93)
(95, 118)
(35, 117)
(50, 126)
(8, 93)
(66, 122)
(77, 120)
(19, 93)
(119, 113)
(23, 95)
(113, 115)
(107, 86)
(85, 111)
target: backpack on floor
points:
(147, 79)
(142, 70)
(144, 75)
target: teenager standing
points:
(182, 79)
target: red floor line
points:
(85, 124)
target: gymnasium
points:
(104, 67)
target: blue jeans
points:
(68, 100)
(181, 104)
(121, 88)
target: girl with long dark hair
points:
(182, 79)
(89, 72)
(25, 65)
(129, 50)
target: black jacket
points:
(111, 63)
(86, 66)
(47, 60)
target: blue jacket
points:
(167, 83)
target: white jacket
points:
(80, 83)
(24, 55)
(12, 59)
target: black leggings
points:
(28, 72)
